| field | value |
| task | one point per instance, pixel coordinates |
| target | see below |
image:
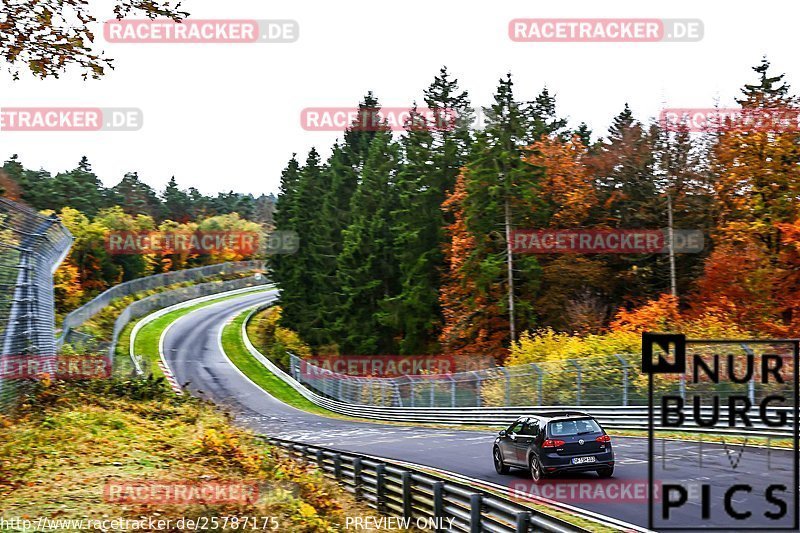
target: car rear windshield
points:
(569, 428)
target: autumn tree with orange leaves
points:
(751, 277)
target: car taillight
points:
(552, 443)
(603, 438)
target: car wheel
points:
(498, 462)
(536, 470)
(606, 472)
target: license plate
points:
(581, 460)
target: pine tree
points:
(542, 118)
(80, 189)
(177, 204)
(501, 194)
(626, 177)
(434, 152)
(136, 197)
(770, 91)
(584, 134)
(367, 270)
(308, 317)
(342, 180)
(358, 137)
(283, 268)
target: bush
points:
(275, 341)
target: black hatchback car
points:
(553, 443)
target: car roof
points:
(557, 415)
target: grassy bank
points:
(258, 373)
(67, 442)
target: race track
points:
(192, 351)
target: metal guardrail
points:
(412, 494)
(94, 306)
(31, 248)
(611, 417)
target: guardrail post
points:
(357, 467)
(508, 385)
(438, 502)
(478, 383)
(337, 467)
(320, 459)
(413, 390)
(452, 391)
(380, 488)
(475, 508)
(407, 508)
(433, 392)
(523, 522)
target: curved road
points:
(192, 350)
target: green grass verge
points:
(259, 374)
(707, 437)
(145, 345)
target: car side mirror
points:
(502, 433)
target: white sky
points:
(224, 116)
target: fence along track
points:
(610, 416)
(97, 304)
(31, 248)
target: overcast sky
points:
(227, 116)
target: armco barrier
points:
(94, 306)
(612, 417)
(412, 494)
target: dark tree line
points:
(83, 190)
(403, 245)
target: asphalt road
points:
(193, 353)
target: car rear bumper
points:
(586, 467)
(553, 462)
